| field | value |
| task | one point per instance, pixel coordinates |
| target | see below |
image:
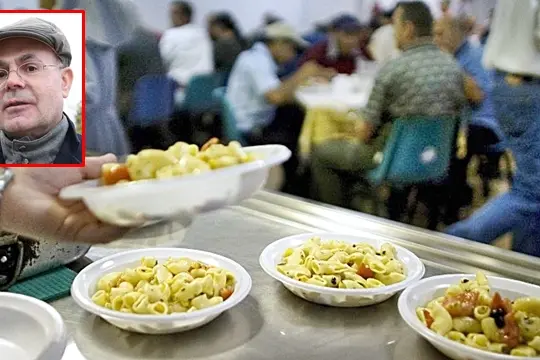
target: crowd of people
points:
(447, 68)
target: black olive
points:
(334, 281)
(384, 252)
(378, 254)
(499, 321)
(353, 245)
(465, 281)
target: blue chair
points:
(153, 100)
(418, 150)
(228, 121)
(417, 153)
(199, 93)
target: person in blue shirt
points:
(483, 131)
(513, 51)
(263, 104)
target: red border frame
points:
(83, 106)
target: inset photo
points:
(41, 88)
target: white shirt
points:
(186, 51)
(383, 44)
(511, 47)
(253, 75)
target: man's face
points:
(31, 105)
(403, 30)
(177, 17)
(446, 39)
(347, 41)
(283, 51)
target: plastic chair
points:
(199, 93)
(153, 100)
(418, 150)
(228, 120)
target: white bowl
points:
(143, 203)
(272, 255)
(31, 329)
(84, 287)
(419, 294)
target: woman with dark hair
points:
(228, 41)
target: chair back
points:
(199, 96)
(418, 150)
(228, 122)
(153, 100)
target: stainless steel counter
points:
(274, 324)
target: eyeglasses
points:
(25, 71)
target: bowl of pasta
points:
(178, 183)
(161, 290)
(475, 317)
(341, 270)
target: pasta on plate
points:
(177, 285)
(342, 265)
(469, 314)
(178, 160)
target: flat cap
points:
(43, 31)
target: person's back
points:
(136, 58)
(186, 51)
(247, 100)
(423, 81)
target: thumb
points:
(92, 169)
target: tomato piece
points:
(113, 173)
(462, 304)
(225, 293)
(429, 318)
(510, 331)
(499, 303)
(365, 272)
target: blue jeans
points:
(517, 108)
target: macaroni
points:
(174, 286)
(470, 315)
(342, 265)
(178, 160)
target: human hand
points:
(30, 205)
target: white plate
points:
(272, 254)
(419, 294)
(84, 287)
(30, 329)
(143, 203)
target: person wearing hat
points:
(260, 100)
(35, 78)
(342, 48)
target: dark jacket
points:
(71, 151)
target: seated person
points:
(227, 39)
(35, 78)
(341, 51)
(482, 129)
(424, 81)
(256, 92)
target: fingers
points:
(92, 170)
(82, 227)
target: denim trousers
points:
(517, 107)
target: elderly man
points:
(423, 81)
(451, 35)
(35, 78)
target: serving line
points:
(428, 245)
(271, 323)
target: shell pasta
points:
(174, 286)
(342, 265)
(470, 314)
(178, 160)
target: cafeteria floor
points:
(498, 186)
